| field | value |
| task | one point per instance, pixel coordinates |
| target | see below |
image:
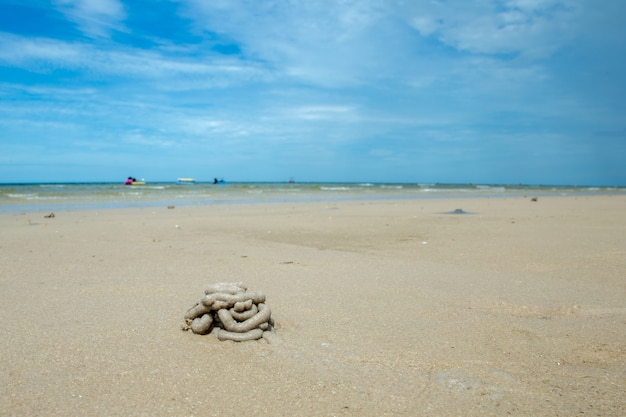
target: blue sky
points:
(490, 91)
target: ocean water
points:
(81, 196)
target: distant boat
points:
(219, 181)
(291, 180)
(133, 181)
(186, 181)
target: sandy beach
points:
(382, 308)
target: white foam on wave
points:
(21, 195)
(335, 188)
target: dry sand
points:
(388, 308)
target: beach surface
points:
(382, 308)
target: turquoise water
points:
(44, 197)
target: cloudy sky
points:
(464, 91)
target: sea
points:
(42, 197)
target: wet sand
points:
(386, 308)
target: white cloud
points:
(96, 18)
(354, 43)
(38, 53)
(328, 112)
(168, 72)
(526, 27)
(425, 25)
(324, 43)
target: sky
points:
(414, 91)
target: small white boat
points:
(186, 181)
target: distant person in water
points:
(130, 181)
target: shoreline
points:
(386, 307)
(99, 196)
(252, 201)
